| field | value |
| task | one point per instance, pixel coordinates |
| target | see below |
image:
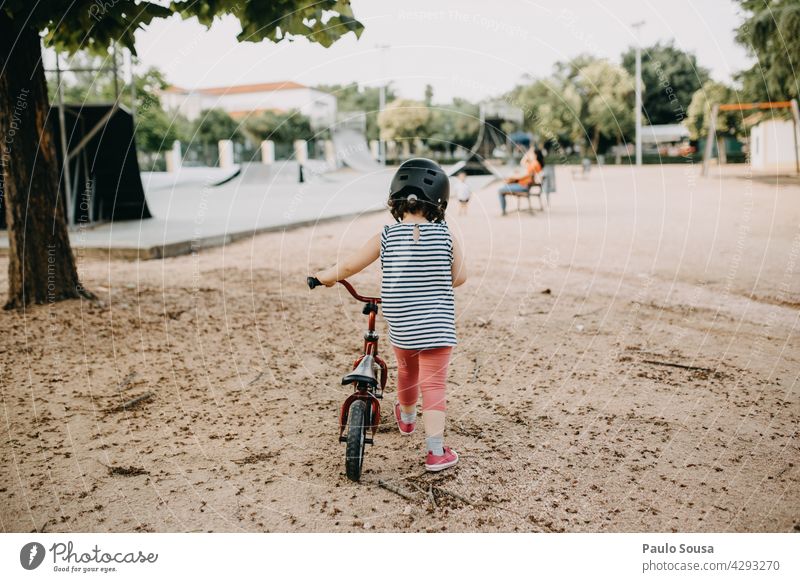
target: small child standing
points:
(463, 193)
(421, 264)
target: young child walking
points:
(421, 264)
(463, 193)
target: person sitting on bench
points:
(520, 184)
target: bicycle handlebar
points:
(314, 282)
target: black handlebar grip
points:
(313, 282)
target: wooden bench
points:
(535, 189)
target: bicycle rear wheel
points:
(356, 433)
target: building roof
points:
(252, 88)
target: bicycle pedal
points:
(369, 441)
(342, 439)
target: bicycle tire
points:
(356, 433)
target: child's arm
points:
(353, 264)
(459, 266)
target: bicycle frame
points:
(363, 390)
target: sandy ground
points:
(568, 400)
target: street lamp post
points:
(382, 103)
(381, 107)
(638, 90)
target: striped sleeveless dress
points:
(417, 286)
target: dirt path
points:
(568, 400)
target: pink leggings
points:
(425, 369)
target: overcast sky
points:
(467, 48)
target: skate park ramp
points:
(189, 176)
(352, 150)
(284, 172)
(103, 161)
(473, 166)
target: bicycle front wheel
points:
(356, 433)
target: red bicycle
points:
(361, 411)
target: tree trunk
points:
(595, 141)
(41, 268)
(722, 153)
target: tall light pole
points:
(382, 103)
(636, 26)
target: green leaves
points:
(323, 22)
(214, 125)
(670, 76)
(710, 94)
(156, 129)
(456, 123)
(404, 119)
(584, 96)
(771, 32)
(608, 90)
(92, 25)
(278, 127)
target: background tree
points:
(352, 97)
(214, 125)
(155, 129)
(754, 87)
(87, 86)
(466, 122)
(728, 122)
(552, 109)
(605, 94)
(771, 32)
(453, 125)
(665, 66)
(41, 265)
(609, 95)
(279, 127)
(404, 119)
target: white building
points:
(242, 100)
(773, 145)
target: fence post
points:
(174, 157)
(375, 148)
(225, 147)
(268, 152)
(301, 151)
(330, 155)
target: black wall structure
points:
(105, 183)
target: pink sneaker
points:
(440, 462)
(406, 428)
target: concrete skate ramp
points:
(258, 173)
(352, 150)
(189, 176)
(104, 167)
(281, 171)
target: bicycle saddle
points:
(364, 372)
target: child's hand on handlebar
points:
(327, 277)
